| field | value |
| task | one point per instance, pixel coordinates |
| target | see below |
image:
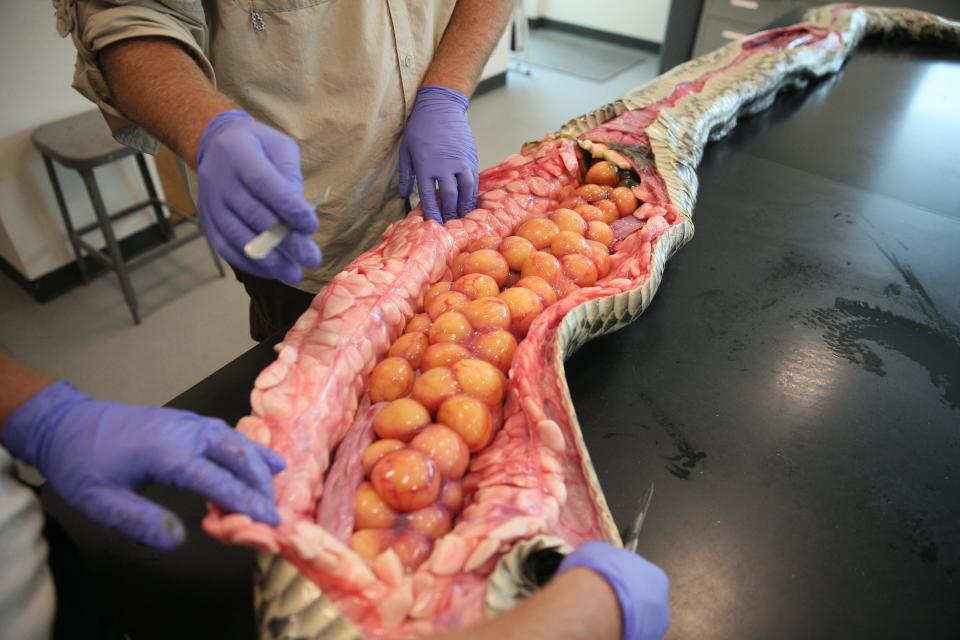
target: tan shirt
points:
(339, 76)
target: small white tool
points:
(261, 246)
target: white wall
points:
(644, 19)
(36, 68)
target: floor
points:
(193, 321)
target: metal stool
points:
(83, 142)
(520, 55)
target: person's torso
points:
(340, 77)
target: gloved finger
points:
(277, 192)
(406, 173)
(220, 486)
(274, 460)
(275, 264)
(428, 198)
(466, 194)
(257, 217)
(283, 151)
(302, 249)
(238, 456)
(448, 198)
(231, 255)
(134, 516)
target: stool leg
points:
(71, 234)
(112, 247)
(162, 220)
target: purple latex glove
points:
(249, 179)
(438, 146)
(96, 454)
(641, 587)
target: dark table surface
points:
(794, 390)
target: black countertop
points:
(794, 390)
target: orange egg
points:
(601, 258)
(543, 265)
(410, 347)
(435, 386)
(589, 212)
(580, 269)
(516, 249)
(392, 378)
(442, 354)
(600, 232)
(433, 521)
(370, 511)
(469, 417)
(572, 203)
(539, 231)
(419, 323)
(368, 543)
(569, 220)
(488, 262)
(567, 242)
(456, 267)
(476, 285)
(445, 447)
(626, 202)
(564, 286)
(446, 301)
(376, 451)
(451, 496)
(451, 326)
(496, 347)
(487, 313)
(435, 290)
(486, 242)
(590, 192)
(406, 480)
(603, 172)
(610, 211)
(541, 287)
(525, 306)
(480, 379)
(412, 547)
(401, 419)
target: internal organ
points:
(419, 352)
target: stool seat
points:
(83, 142)
(80, 142)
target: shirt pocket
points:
(273, 6)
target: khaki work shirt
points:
(338, 76)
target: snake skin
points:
(290, 606)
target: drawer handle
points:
(732, 35)
(752, 5)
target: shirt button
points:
(407, 60)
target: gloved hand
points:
(438, 146)
(248, 180)
(96, 454)
(641, 587)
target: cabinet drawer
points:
(755, 12)
(715, 32)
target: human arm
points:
(249, 176)
(578, 605)
(599, 593)
(96, 454)
(438, 144)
